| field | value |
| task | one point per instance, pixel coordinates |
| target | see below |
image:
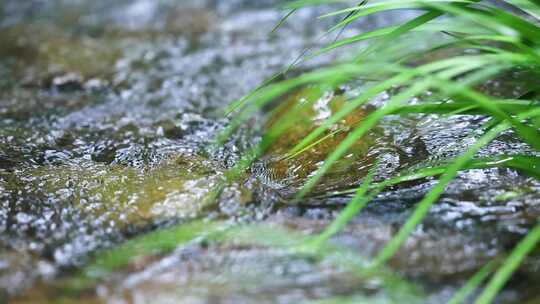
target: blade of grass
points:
(282, 20)
(472, 284)
(528, 6)
(509, 266)
(425, 204)
(404, 75)
(371, 120)
(357, 203)
(527, 164)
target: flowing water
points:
(107, 114)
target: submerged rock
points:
(300, 113)
(238, 274)
(180, 187)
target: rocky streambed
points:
(107, 115)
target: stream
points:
(108, 111)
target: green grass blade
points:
(283, 20)
(403, 76)
(357, 203)
(509, 266)
(371, 120)
(529, 6)
(425, 204)
(472, 284)
(527, 164)
(368, 123)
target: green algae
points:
(179, 187)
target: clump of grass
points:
(450, 48)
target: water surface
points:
(107, 112)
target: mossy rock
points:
(302, 112)
(180, 187)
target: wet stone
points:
(68, 82)
(128, 196)
(234, 274)
(304, 111)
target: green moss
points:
(179, 187)
(509, 195)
